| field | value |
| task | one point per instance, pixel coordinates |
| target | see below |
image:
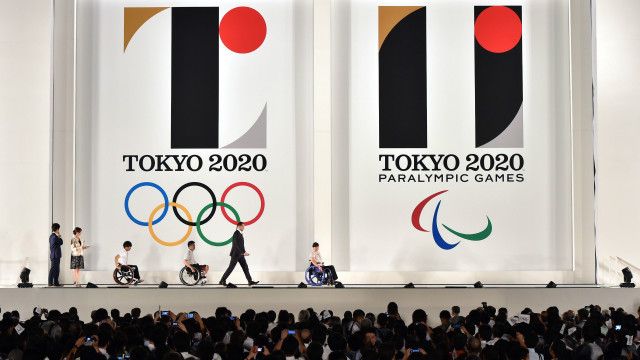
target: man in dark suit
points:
(55, 241)
(237, 256)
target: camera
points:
(164, 313)
(88, 341)
(292, 332)
(190, 315)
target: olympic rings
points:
(175, 200)
(189, 221)
(198, 223)
(255, 188)
(134, 188)
(167, 243)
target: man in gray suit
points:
(238, 254)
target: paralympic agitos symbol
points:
(437, 237)
(189, 221)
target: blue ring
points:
(153, 185)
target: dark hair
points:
(135, 312)
(240, 223)
(392, 308)
(77, 230)
(382, 319)
(445, 314)
(455, 309)
(290, 345)
(315, 244)
(191, 242)
(115, 314)
(419, 315)
(126, 244)
(55, 227)
(314, 351)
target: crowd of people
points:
(484, 333)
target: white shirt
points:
(326, 352)
(533, 355)
(186, 355)
(353, 327)
(315, 255)
(76, 247)
(124, 257)
(191, 259)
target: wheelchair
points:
(190, 278)
(314, 277)
(123, 275)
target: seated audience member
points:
(317, 336)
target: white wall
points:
(25, 140)
(205, 300)
(617, 133)
(25, 149)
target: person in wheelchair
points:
(316, 259)
(122, 259)
(190, 262)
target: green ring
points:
(204, 209)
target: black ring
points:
(213, 197)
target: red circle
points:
(247, 184)
(243, 29)
(498, 29)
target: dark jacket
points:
(237, 248)
(54, 246)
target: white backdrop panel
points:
(124, 108)
(532, 219)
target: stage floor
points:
(205, 299)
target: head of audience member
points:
(445, 318)
(419, 316)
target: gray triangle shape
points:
(511, 137)
(255, 137)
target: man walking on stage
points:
(237, 256)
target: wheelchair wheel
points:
(123, 276)
(188, 277)
(314, 277)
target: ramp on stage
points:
(205, 299)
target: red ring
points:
(255, 188)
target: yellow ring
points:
(167, 243)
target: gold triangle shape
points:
(389, 17)
(134, 18)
